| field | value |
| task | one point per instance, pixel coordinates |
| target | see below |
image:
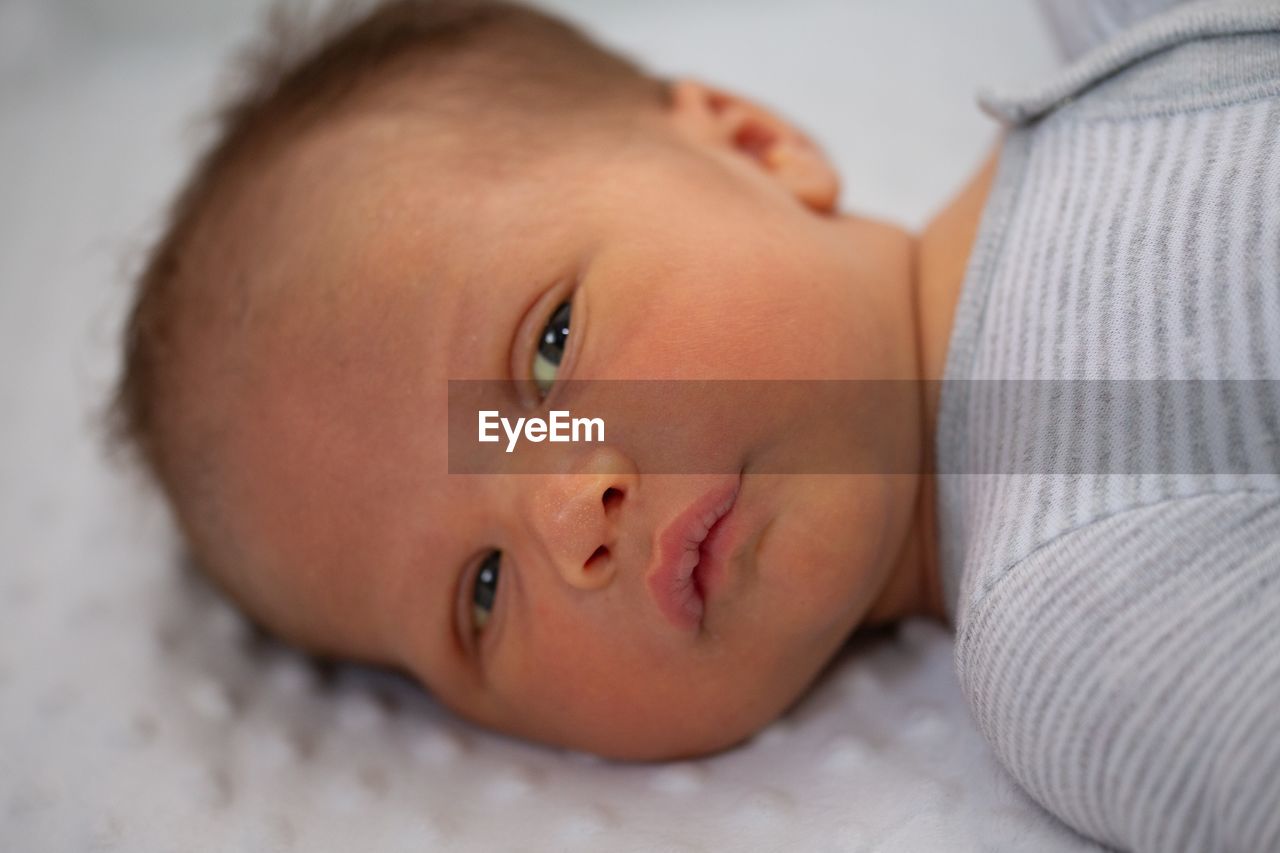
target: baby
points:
(475, 191)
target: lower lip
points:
(715, 550)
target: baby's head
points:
(418, 199)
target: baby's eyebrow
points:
(427, 601)
(462, 653)
(452, 623)
(474, 332)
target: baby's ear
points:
(714, 117)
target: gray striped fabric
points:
(1118, 634)
(1078, 27)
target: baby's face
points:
(381, 269)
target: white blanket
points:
(138, 713)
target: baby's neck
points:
(940, 259)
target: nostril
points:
(611, 496)
(599, 554)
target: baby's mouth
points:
(679, 580)
(700, 570)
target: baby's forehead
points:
(323, 226)
(344, 186)
(379, 196)
(369, 279)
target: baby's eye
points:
(486, 587)
(546, 361)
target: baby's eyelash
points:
(551, 348)
(481, 607)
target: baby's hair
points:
(504, 79)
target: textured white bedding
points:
(138, 713)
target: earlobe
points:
(716, 118)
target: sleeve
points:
(1127, 674)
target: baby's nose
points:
(577, 517)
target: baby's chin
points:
(671, 740)
(662, 749)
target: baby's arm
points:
(1127, 673)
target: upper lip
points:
(671, 579)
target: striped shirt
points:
(1109, 433)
